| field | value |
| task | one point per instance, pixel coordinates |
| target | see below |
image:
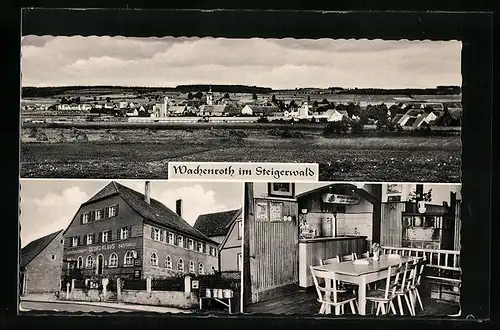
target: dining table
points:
(362, 274)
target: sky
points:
(50, 205)
(277, 63)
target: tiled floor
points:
(305, 303)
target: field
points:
(144, 153)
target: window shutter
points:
(81, 219)
(152, 232)
(93, 238)
(106, 212)
(118, 234)
(116, 209)
(162, 235)
(110, 235)
(129, 232)
(204, 248)
(100, 237)
(78, 241)
(92, 216)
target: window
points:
(180, 265)
(113, 260)
(129, 258)
(191, 244)
(79, 263)
(200, 247)
(98, 214)
(85, 218)
(153, 260)
(62, 241)
(74, 241)
(168, 262)
(212, 251)
(89, 239)
(112, 211)
(240, 229)
(104, 237)
(191, 266)
(89, 262)
(240, 262)
(53, 257)
(124, 233)
(201, 269)
(180, 241)
(156, 234)
(171, 238)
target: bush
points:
(170, 284)
(357, 127)
(33, 133)
(41, 136)
(337, 127)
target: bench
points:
(442, 270)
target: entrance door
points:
(100, 264)
(273, 248)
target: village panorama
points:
(410, 134)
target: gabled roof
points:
(30, 251)
(397, 118)
(155, 211)
(219, 108)
(216, 224)
(263, 108)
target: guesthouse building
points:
(122, 233)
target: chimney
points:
(147, 192)
(178, 207)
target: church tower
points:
(210, 97)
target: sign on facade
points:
(195, 284)
(340, 199)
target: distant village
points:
(199, 107)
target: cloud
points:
(50, 213)
(196, 199)
(265, 62)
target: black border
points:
(475, 30)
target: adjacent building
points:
(226, 228)
(39, 261)
(120, 232)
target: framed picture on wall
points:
(394, 188)
(280, 189)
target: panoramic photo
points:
(123, 107)
(352, 248)
(125, 246)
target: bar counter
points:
(311, 250)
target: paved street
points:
(65, 307)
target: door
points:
(273, 248)
(100, 264)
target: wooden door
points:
(391, 227)
(273, 248)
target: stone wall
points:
(178, 299)
(89, 295)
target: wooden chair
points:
(403, 287)
(330, 261)
(349, 257)
(414, 294)
(384, 298)
(365, 255)
(328, 295)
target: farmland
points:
(144, 153)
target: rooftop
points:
(216, 224)
(30, 251)
(155, 211)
